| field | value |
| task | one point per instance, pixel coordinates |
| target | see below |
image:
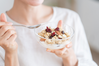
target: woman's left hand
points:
(67, 54)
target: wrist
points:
(10, 55)
(11, 52)
(11, 59)
(70, 61)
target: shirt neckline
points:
(33, 25)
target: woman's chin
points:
(35, 4)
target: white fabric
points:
(30, 53)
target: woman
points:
(26, 51)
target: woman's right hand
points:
(7, 36)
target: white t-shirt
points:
(31, 53)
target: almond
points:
(58, 32)
(42, 39)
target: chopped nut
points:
(40, 34)
(48, 41)
(58, 42)
(42, 39)
(58, 32)
(46, 36)
(43, 31)
(64, 36)
(64, 40)
(55, 37)
(59, 36)
(67, 34)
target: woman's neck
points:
(27, 14)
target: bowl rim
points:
(57, 39)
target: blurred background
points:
(88, 11)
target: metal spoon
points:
(30, 27)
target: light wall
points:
(5, 5)
(89, 12)
(51, 2)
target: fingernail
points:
(48, 50)
(68, 46)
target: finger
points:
(2, 23)
(58, 52)
(53, 51)
(59, 24)
(3, 18)
(12, 38)
(63, 51)
(69, 45)
(4, 28)
(5, 23)
(48, 50)
(8, 34)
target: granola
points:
(53, 35)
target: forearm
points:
(71, 60)
(11, 59)
(68, 62)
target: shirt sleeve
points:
(81, 47)
(2, 57)
(1, 62)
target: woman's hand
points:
(7, 36)
(66, 53)
(63, 53)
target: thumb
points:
(3, 18)
(60, 24)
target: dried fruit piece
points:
(59, 38)
(53, 34)
(56, 35)
(50, 37)
(57, 29)
(48, 30)
(42, 39)
(62, 32)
